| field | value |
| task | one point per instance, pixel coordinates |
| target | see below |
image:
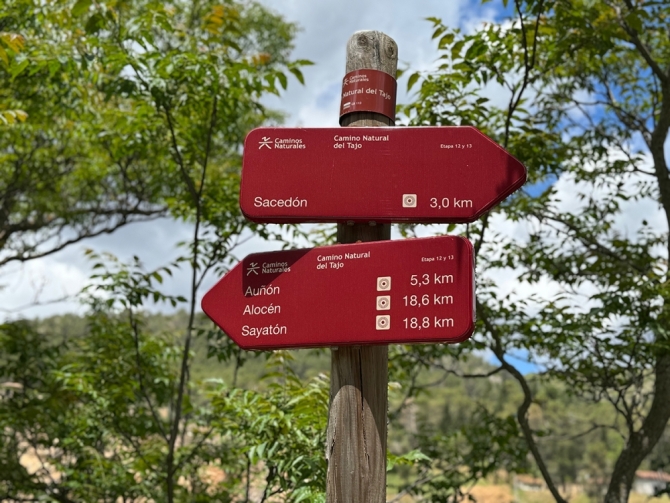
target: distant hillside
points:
(578, 439)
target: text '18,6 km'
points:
(414, 290)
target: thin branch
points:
(474, 376)
(268, 481)
(184, 371)
(627, 118)
(522, 410)
(408, 490)
(36, 303)
(179, 159)
(589, 242)
(248, 483)
(195, 449)
(140, 379)
(579, 435)
(529, 63)
(136, 447)
(642, 48)
(22, 256)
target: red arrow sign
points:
(403, 174)
(414, 290)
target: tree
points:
(136, 110)
(587, 109)
(10, 43)
(108, 87)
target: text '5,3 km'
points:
(415, 290)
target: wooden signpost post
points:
(398, 292)
(356, 438)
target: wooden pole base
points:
(356, 450)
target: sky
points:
(35, 288)
(326, 26)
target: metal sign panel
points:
(403, 174)
(406, 291)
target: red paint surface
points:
(323, 300)
(454, 174)
(368, 90)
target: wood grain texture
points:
(378, 51)
(356, 443)
(356, 437)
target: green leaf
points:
(81, 7)
(282, 80)
(412, 80)
(633, 20)
(408, 458)
(18, 69)
(13, 40)
(95, 23)
(298, 75)
(446, 40)
(456, 49)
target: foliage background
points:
(115, 112)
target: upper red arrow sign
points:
(403, 174)
(412, 290)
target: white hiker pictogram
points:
(265, 142)
(253, 267)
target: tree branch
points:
(140, 379)
(641, 47)
(522, 411)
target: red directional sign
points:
(414, 290)
(403, 174)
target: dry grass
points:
(503, 494)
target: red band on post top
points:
(368, 91)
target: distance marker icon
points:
(409, 200)
(383, 322)
(383, 302)
(383, 283)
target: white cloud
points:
(326, 27)
(35, 288)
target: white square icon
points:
(383, 302)
(409, 200)
(383, 283)
(383, 322)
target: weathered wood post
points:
(356, 438)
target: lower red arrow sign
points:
(408, 291)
